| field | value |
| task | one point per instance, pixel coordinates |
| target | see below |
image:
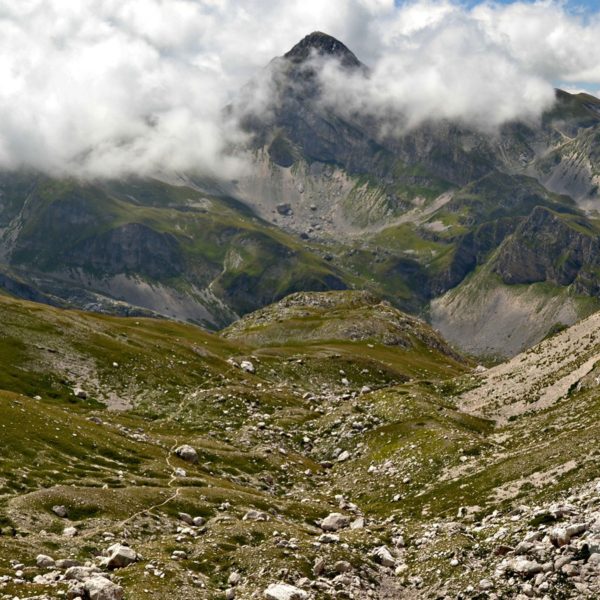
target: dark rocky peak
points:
(321, 44)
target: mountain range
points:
(366, 368)
(491, 236)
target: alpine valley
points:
(366, 368)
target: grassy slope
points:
(249, 431)
(183, 389)
(217, 241)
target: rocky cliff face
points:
(549, 247)
(424, 161)
(130, 248)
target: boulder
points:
(119, 556)
(81, 573)
(335, 522)
(100, 588)
(247, 366)
(344, 456)
(523, 567)
(44, 561)
(67, 563)
(187, 453)
(342, 566)
(60, 511)
(318, 567)
(255, 515)
(283, 591)
(383, 556)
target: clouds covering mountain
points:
(106, 88)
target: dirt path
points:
(175, 495)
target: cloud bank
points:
(117, 87)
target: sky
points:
(573, 5)
(116, 87)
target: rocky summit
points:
(366, 368)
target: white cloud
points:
(110, 87)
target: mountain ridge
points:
(329, 204)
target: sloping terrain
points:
(148, 247)
(360, 456)
(539, 278)
(544, 375)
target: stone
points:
(43, 561)
(559, 537)
(119, 556)
(319, 567)
(594, 559)
(198, 521)
(559, 563)
(48, 578)
(67, 563)
(76, 590)
(69, 532)
(344, 456)
(247, 366)
(60, 511)
(283, 591)
(186, 518)
(187, 453)
(523, 548)
(335, 522)
(524, 567)
(576, 529)
(284, 209)
(81, 573)
(342, 566)
(255, 515)
(485, 584)
(100, 588)
(383, 556)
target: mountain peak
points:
(322, 44)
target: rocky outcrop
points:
(549, 247)
(130, 248)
